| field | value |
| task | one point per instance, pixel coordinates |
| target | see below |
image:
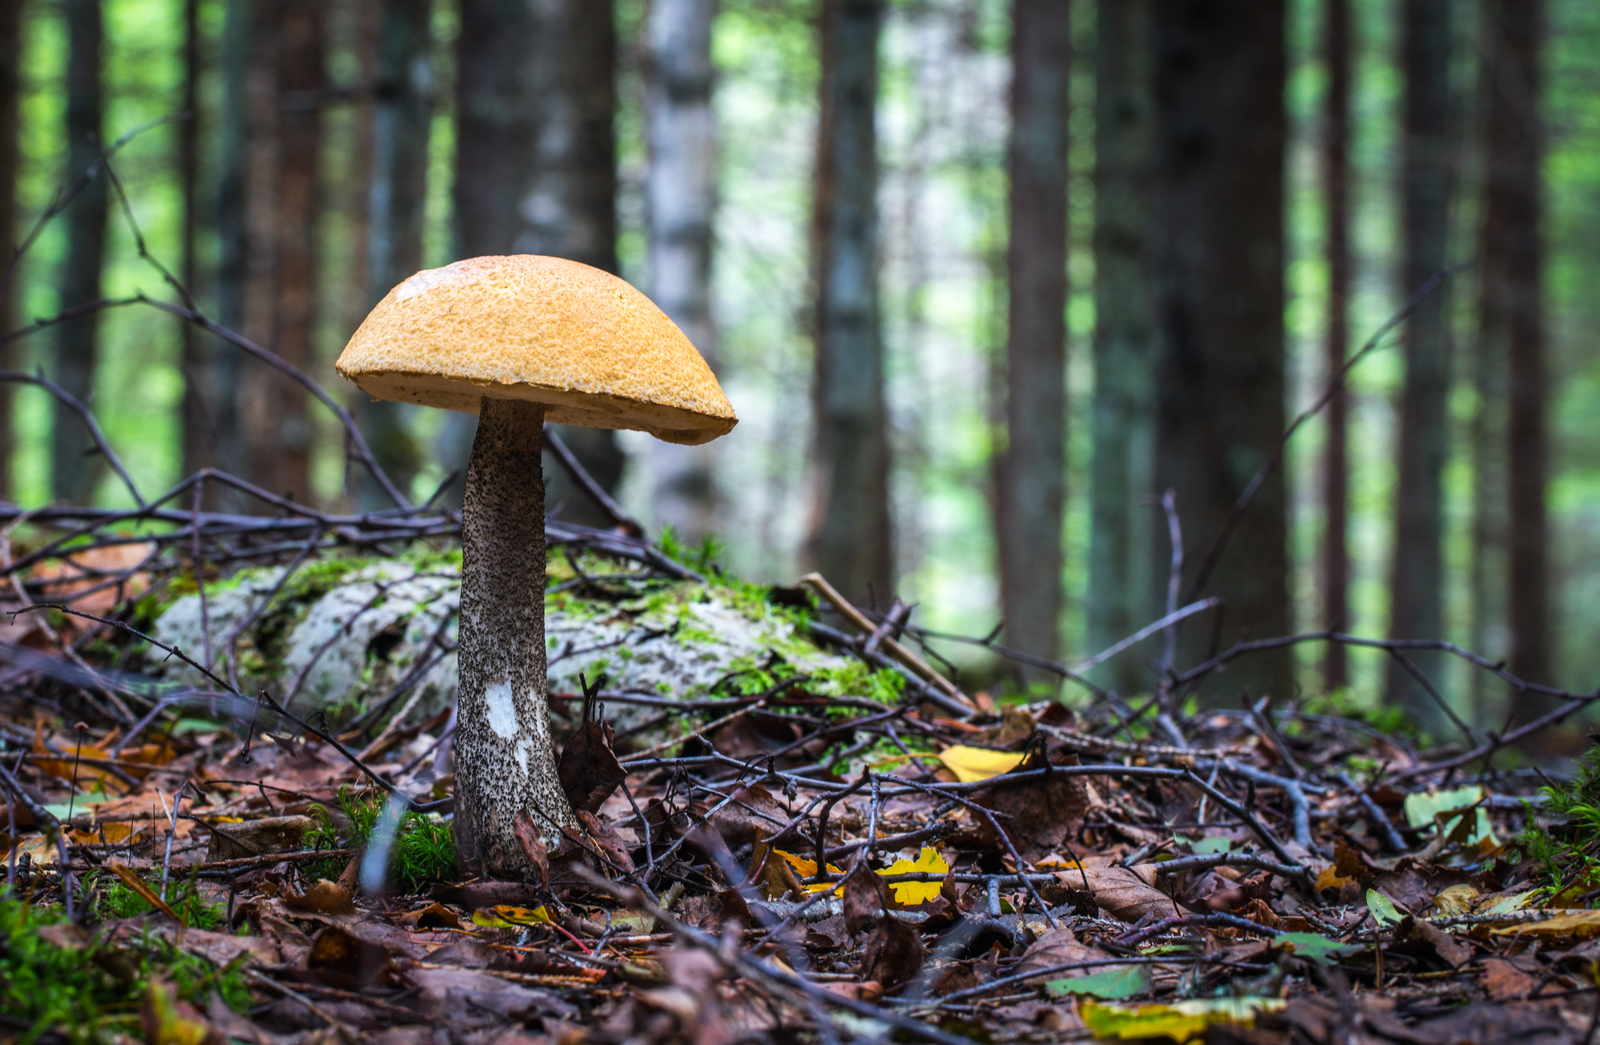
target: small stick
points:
(916, 664)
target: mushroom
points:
(519, 340)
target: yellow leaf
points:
(1329, 878)
(504, 916)
(909, 894)
(803, 867)
(1572, 923)
(1179, 1021)
(976, 763)
(1456, 900)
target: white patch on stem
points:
(501, 709)
(524, 748)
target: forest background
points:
(980, 296)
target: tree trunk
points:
(196, 435)
(1120, 530)
(1033, 472)
(274, 408)
(1417, 578)
(10, 151)
(680, 190)
(1335, 462)
(1217, 264)
(220, 378)
(1513, 256)
(536, 168)
(395, 216)
(850, 540)
(74, 471)
(504, 753)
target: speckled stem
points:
(505, 760)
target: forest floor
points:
(802, 866)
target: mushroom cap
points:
(591, 348)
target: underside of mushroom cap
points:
(581, 341)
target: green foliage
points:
(424, 850)
(92, 992)
(1569, 847)
(118, 901)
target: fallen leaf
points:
(273, 834)
(1126, 894)
(324, 898)
(433, 916)
(863, 898)
(1057, 947)
(1429, 936)
(532, 846)
(1314, 946)
(131, 879)
(975, 763)
(169, 1021)
(1110, 984)
(1505, 981)
(1039, 814)
(909, 894)
(893, 953)
(1447, 810)
(1179, 1021)
(589, 771)
(803, 867)
(1582, 924)
(1383, 908)
(1456, 900)
(504, 916)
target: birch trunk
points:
(505, 759)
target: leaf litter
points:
(892, 858)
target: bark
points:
(1217, 264)
(196, 436)
(395, 216)
(10, 99)
(220, 379)
(1335, 461)
(1417, 578)
(73, 471)
(284, 208)
(850, 540)
(536, 165)
(1032, 487)
(505, 760)
(1513, 320)
(680, 187)
(1120, 530)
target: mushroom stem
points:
(505, 761)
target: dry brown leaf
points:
(1056, 947)
(893, 953)
(273, 834)
(1506, 981)
(1129, 895)
(589, 771)
(863, 897)
(323, 898)
(1043, 813)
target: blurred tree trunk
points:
(1513, 257)
(1217, 266)
(536, 171)
(1120, 529)
(1335, 462)
(284, 207)
(10, 151)
(1416, 601)
(220, 377)
(74, 472)
(197, 434)
(1033, 471)
(395, 215)
(850, 541)
(680, 191)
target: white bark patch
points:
(524, 748)
(501, 709)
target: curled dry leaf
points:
(323, 898)
(893, 953)
(863, 897)
(1040, 813)
(273, 834)
(589, 771)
